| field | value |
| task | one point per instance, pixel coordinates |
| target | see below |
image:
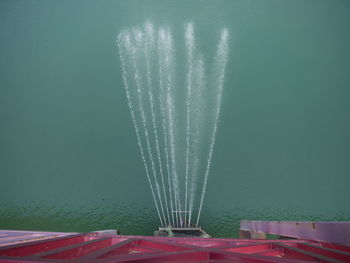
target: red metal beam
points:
(102, 248)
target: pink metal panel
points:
(103, 248)
(8, 237)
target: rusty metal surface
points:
(92, 247)
(331, 232)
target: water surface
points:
(69, 159)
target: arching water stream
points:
(175, 123)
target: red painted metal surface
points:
(94, 247)
(9, 237)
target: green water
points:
(69, 159)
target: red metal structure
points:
(94, 247)
(8, 237)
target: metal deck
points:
(9, 237)
(181, 232)
(94, 247)
(331, 232)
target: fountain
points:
(175, 121)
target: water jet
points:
(175, 133)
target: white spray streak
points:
(139, 38)
(219, 68)
(197, 107)
(165, 54)
(189, 41)
(122, 38)
(171, 117)
(149, 44)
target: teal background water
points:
(69, 159)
